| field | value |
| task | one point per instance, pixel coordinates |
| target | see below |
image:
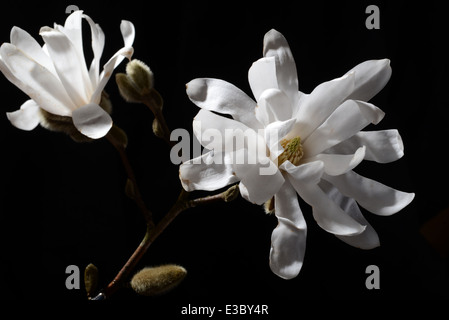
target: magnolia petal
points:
(257, 184)
(108, 68)
(288, 240)
(336, 164)
(371, 195)
(366, 240)
(98, 40)
(222, 134)
(275, 45)
(223, 97)
(26, 43)
(347, 120)
(262, 76)
(381, 146)
(70, 66)
(27, 117)
(370, 77)
(92, 121)
(316, 107)
(274, 105)
(128, 32)
(207, 172)
(38, 83)
(327, 214)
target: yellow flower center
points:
(292, 151)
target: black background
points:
(63, 203)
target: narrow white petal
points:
(223, 97)
(98, 40)
(370, 77)
(27, 117)
(108, 68)
(128, 32)
(316, 107)
(70, 66)
(222, 134)
(37, 82)
(274, 105)
(29, 46)
(327, 214)
(92, 121)
(275, 45)
(336, 164)
(257, 187)
(288, 240)
(381, 146)
(371, 195)
(368, 239)
(208, 172)
(262, 76)
(347, 120)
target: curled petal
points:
(366, 240)
(347, 120)
(27, 117)
(370, 77)
(98, 40)
(128, 32)
(208, 172)
(223, 97)
(92, 121)
(371, 195)
(316, 107)
(275, 45)
(381, 146)
(262, 76)
(328, 215)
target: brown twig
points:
(152, 233)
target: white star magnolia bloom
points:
(56, 78)
(319, 144)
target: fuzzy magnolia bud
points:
(141, 75)
(153, 281)
(90, 279)
(136, 83)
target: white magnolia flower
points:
(56, 77)
(319, 144)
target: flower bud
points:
(90, 279)
(153, 281)
(141, 75)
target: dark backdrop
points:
(63, 202)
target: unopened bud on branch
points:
(153, 281)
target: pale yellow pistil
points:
(292, 151)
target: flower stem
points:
(152, 233)
(137, 197)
